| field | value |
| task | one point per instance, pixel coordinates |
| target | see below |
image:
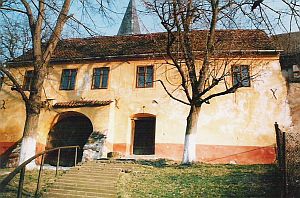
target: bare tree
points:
(35, 13)
(179, 18)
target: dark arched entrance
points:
(70, 129)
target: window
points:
(144, 76)
(296, 72)
(100, 78)
(28, 80)
(68, 78)
(241, 76)
(1, 80)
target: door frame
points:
(133, 119)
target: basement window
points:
(28, 80)
(144, 77)
(241, 75)
(68, 79)
(100, 78)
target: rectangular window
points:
(100, 78)
(1, 80)
(241, 75)
(68, 78)
(28, 80)
(296, 72)
(144, 76)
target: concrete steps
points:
(91, 179)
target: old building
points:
(104, 91)
(290, 64)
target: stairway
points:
(90, 179)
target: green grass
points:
(30, 183)
(201, 180)
(158, 179)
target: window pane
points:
(149, 80)
(100, 79)
(27, 86)
(72, 84)
(68, 79)
(141, 80)
(96, 81)
(245, 76)
(145, 76)
(104, 81)
(64, 83)
(141, 70)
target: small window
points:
(68, 78)
(1, 79)
(144, 76)
(100, 78)
(241, 76)
(28, 80)
(296, 72)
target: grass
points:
(165, 179)
(30, 183)
(200, 180)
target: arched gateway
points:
(69, 128)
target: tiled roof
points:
(150, 45)
(289, 42)
(81, 103)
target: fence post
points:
(75, 156)
(39, 177)
(278, 144)
(21, 182)
(57, 163)
(284, 171)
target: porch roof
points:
(81, 103)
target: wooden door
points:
(144, 136)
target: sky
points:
(150, 23)
(109, 26)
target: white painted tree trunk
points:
(28, 150)
(28, 145)
(189, 152)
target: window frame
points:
(145, 74)
(233, 76)
(26, 77)
(69, 77)
(100, 78)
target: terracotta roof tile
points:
(104, 47)
(81, 103)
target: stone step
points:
(81, 193)
(109, 187)
(96, 177)
(58, 195)
(90, 179)
(90, 170)
(99, 189)
(84, 181)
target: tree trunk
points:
(28, 146)
(189, 153)
(33, 109)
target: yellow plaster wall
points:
(243, 118)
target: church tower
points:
(130, 23)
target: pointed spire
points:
(130, 23)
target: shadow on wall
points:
(10, 158)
